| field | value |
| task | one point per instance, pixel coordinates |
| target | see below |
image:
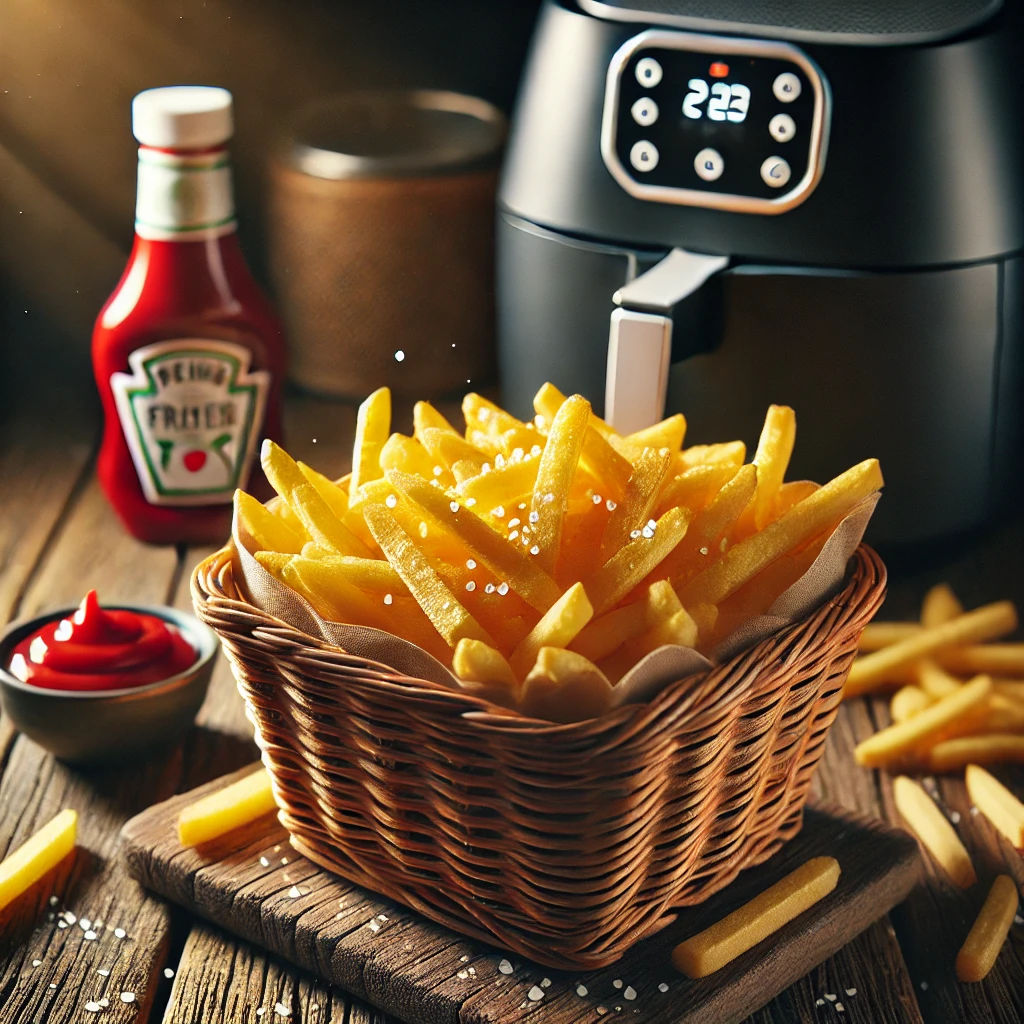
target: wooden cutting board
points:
(253, 884)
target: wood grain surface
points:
(254, 884)
(57, 536)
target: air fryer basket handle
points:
(640, 337)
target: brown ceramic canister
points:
(382, 242)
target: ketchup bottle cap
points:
(182, 117)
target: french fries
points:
(937, 836)
(978, 954)
(997, 803)
(542, 560)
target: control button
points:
(644, 111)
(708, 164)
(782, 127)
(786, 87)
(648, 73)
(644, 155)
(775, 171)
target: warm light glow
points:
(718, 69)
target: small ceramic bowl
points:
(102, 726)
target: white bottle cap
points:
(182, 117)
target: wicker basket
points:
(566, 844)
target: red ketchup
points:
(188, 354)
(101, 649)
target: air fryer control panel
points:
(727, 123)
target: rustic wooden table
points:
(149, 962)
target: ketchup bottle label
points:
(191, 411)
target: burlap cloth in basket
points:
(643, 682)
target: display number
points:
(727, 102)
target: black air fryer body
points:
(884, 304)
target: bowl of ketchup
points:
(98, 684)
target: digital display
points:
(725, 102)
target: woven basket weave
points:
(566, 844)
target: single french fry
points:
(694, 488)
(710, 950)
(501, 486)
(371, 575)
(907, 702)
(934, 680)
(549, 400)
(336, 498)
(679, 628)
(636, 560)
(268, 532)
(447, 449)
(558, 463)
(604, 463)
(981, 948)
(39, 854)
(304, 500)
(564, 687)
(995, 748)
(226, 809)
(634, 509)
(936, 834)
(906, 738)
(373, 424)
(884, 666)
(706, 617)
(558, 627)
(666, 434)
(747, 558)
(791, 494)
(995, 659)
(940, 605)
(505, 560)
(601, 636)
(729, 453)
(426, 417)
(477, 662)
(879, 634)
(439, 604)
(774, 449)
(997, 803)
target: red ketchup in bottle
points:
(188, 354)
(101, 649)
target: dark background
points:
(68, 71)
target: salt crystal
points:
(830, 996)
(103, 972)
(819, 1002)
(281, 1010)
(513, 522)
(539, 422)
(462, 975)
(54, 901)
(168, 972)
(503, 589)
(127, 997)
(277, 849)
(36, 963)
(611, 505)
(62, 924)
(581, 990)
(284, 860)
(470, 502)
(630, 993)
(602, 1010)
(489, 589)
(924, 986)
(388, 599)
(617, 983)
(647, 532)
(634, 534)
(120, 933)
(104, 1002)
(513, 535)
(704, 551)
(505, 967)
(374, 927)
(663, 987)
(597, 499)
(840, 1008)
(438, 471)
(399, 356)
(264, 863)
(535, 550)
(534, 451)
(52, 985)
(382, 917)
(70, 918)
(499, 512)
(851, 991)
(534, 517)
(974, 812)
(470, 563)
(1017, 919)
(294, 893)
(472, 972)
(464, 959)
(521, 506)
(391, 501)
(546, 983)
(260, 1011)
(484, 414)
(548, 498)
(454, 506)
(535, 993)
(517, 455)
(471, 586)
(92, 1007)
(955, 817)
(499, 461)
(90, 935)
(84, 923)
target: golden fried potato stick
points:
(371, 575)
(881, 634)
(336, 498)
(558, 627)
(940, 605)
(774, 449)
(226, 809)
(268, 532)
(994, 748)
(558, 463)
(997, 803)
(304, 500)
(601, 636)
(679, 629)
(601, 461)
(507, 561)
(995, 659)
(407, 455)
(935, 722)
(882, 667)
(633, 511)
(710, 950)
(791, 494)
(446, 449)
(666, 434)
(728, 453)
(802, 522)
(502, 485)
(907, 702)
(549, 400)
(936, 834)
(477, 662)
(981, 948)
(694, 488)
(636, 560)
(424, 417)
(564, 687)
(373, 424)
(39, 854)
(439, 604)
(934, 680)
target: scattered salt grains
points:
(127, 997)
(454, 506)
(611, 505)
(62, 924)
(534, 517)
(489, 589)
(168, 972)
(462, 975)
(84, 923)
(281, 1010)
(471, 586)
(382, 917)
(91, 1007)
(630, 993)
(535, 993)
(294, 892)
(498, 513)
(703, 550)
(264, 863)
(548, 498)
(513, 523)
(851, 992)
(521, 506)
(582, 990)
(819, 1002)
(104, 1003)
(617, 983)
(260, 1010)
(545, 983)
(831, 997)
(503, 589)
(391, 501)
(399, 356)
(505, 967)
(120, 933)
(36, 963)
(663, 987)
(470, 502)
(104, 972)
(634, 534)
(70, 918)
(91, 936)
(388, 599)
(840, 1008)
(470, 563)
(535, 550)
(374, 926)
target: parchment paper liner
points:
(644, 681)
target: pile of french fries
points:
(542, 560)
(957, 699)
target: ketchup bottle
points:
(188, 354)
